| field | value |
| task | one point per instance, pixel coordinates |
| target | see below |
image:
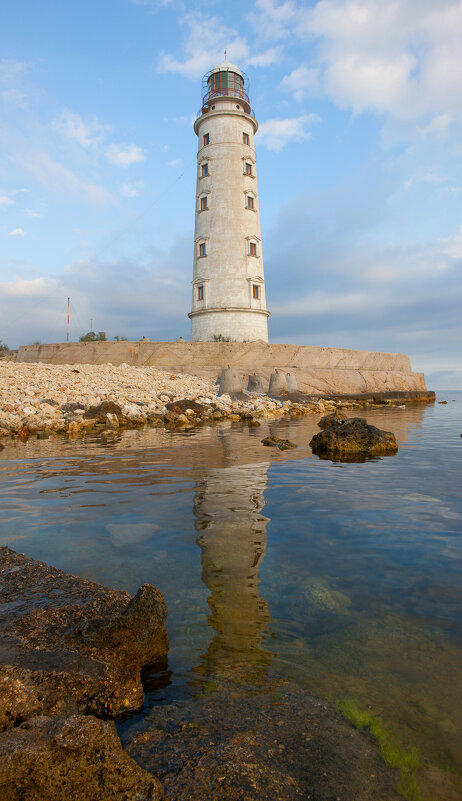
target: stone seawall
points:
(318, 370)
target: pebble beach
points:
(70, 399)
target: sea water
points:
(342, 577)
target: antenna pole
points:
(68, 303)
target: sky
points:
(359, 159)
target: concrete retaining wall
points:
(318, 370)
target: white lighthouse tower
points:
(228, 298)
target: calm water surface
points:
(343, 577)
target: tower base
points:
(230, 325)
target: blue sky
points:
(359, 165)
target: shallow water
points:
(343, 577)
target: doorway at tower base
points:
(230, 325)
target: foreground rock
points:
(78, 758)
(259, 744)
(69, 645)
(351, 437)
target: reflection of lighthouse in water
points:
(232, 537)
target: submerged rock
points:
(348, 437)
(258, 742)
(282, 444)
(78, 758)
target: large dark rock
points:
(352, 436)
(259, 743)
(100, 411)
(69, 645)
(78, 758)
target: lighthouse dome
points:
(228, 67)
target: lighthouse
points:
(228, 287)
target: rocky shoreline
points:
(38, 399)
(71, 658)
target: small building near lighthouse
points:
(228, 287)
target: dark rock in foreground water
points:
(69, 645)
(70, 759)
(265, 743)
(348, 437)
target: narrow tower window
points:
(206, 139)
(256, 291)
(246, 139)
(204, 206)
(202, 250)
(205, 170)
(250, 202)
(200, 293)
(253, 249)
(248, 168)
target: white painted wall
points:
(227, 227)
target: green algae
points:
(407, 762)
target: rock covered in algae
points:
(79, 758)
(275, 442)
(354, 435)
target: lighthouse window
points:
(204, 204)
(248, 168)
(253, 249)
(250, 202)
(205, 170)
(200, 293)
(245, 139)
(206, 139)
(256, 291)
(202, 251)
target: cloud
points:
(131, 190)
(301, 81)
(58, 179)
(275, 134)
(11, 70)
(5, 200)
(124, 155)
(17, 232)
(206, 40)
(174, 163)
(13, 98)
(148, 294)
(401, 58)
(272, 21)
(452, 246)
(87, 134)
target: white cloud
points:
(11, 70)
(5, 200)
(87, 134)
(174, 163)
(301, 81)
(17, 232)
(264, 59)
(272, 21)
(277, 133)
(57, 178)
(124, 155)
(320, 302)
(21, 288)
(13, 98)
(452, 246)
(131, 190)
(401, 57)
(206, 41)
